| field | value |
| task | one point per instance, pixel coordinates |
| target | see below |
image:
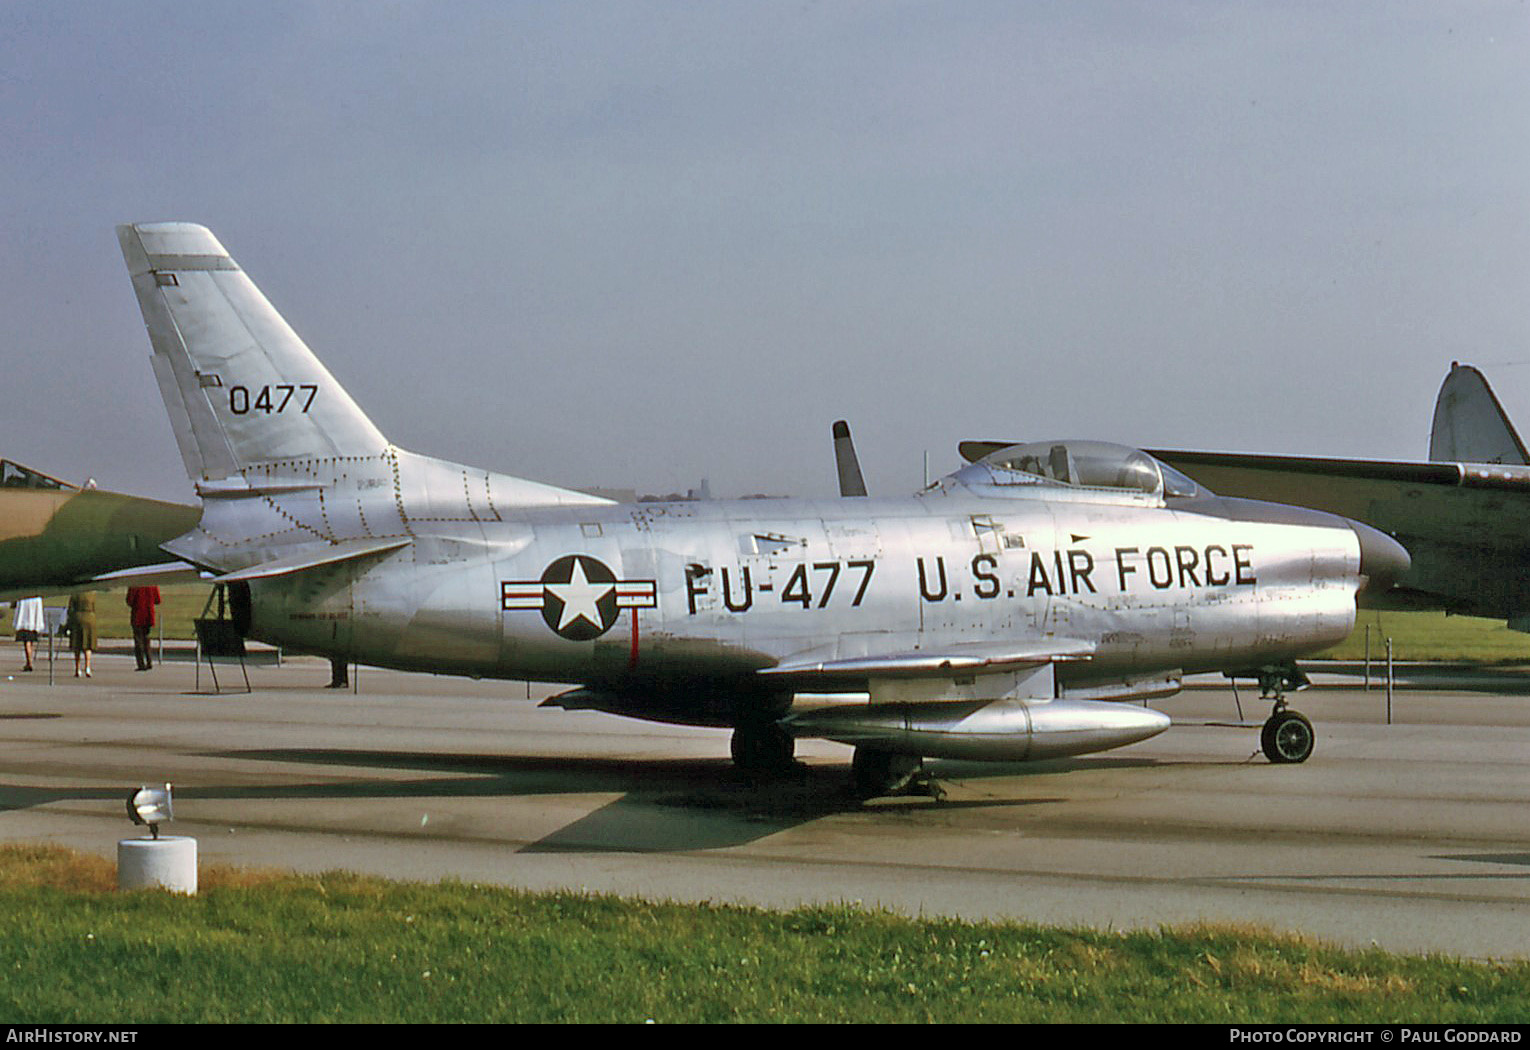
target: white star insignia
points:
(580, 597)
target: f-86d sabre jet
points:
(995, 616)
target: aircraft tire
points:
(875, 773)
(763, 748)
(1287, 738)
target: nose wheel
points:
(1287, 737)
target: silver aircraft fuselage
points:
(989, 616)
(673, 598)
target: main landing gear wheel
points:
(1287, 737)
(763, 748)
(875, 774)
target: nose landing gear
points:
(1287, 736)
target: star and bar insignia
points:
(579, 596)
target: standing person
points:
(142, 600)
(82, 629)
(29, 626)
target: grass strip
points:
(264, 947)
(1433, 636)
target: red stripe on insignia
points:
(521, 595)
(637, 594)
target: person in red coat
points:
(142, 600)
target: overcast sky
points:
(638, 244)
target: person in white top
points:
(29, 626)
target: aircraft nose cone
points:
(1383, 560)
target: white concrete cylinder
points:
(166, 863)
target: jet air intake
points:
(1383, 561)
(983, 730)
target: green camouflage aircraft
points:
(57, 537)
(1462, 514)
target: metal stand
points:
(54, 620)
(218, 636)
(1389, 680)
(1367, 658)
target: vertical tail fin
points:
(846, 463)
(240, 386)
(1470, 426)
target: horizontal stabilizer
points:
(971, 659)
(346, 550)
(143, 576)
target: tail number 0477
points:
(268, 399)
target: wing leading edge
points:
(1466, 525)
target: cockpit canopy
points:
(15, 476)
(1092, 464)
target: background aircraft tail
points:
(1470, 426)
(240, 386)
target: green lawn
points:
(338, 947)
(179, 605)
(1434, 636)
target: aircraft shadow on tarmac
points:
(666, 805)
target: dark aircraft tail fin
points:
(851, 483)
(1470, 426)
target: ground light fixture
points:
(151, 806)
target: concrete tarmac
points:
(1413, 836)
